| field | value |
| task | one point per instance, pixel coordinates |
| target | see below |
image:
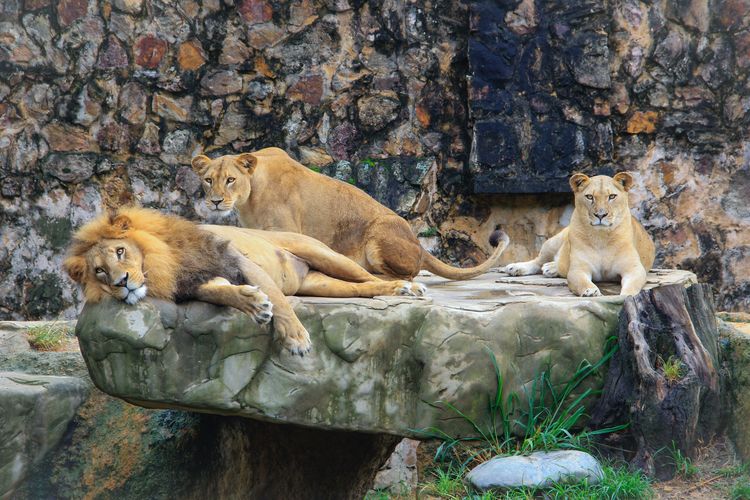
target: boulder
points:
(377, 365)
(35, 410)
(538, 470)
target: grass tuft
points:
(552, 413)
(674, 369)
(428, 233)
(685, 466)
(49, 336)
(741, 491)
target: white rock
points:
(540, 469)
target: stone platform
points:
(377, 365)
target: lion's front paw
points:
(256, 304)
(591, 292)
(412, 289)
(293, 336)
(550, 270)
(521, 269)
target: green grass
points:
(368, 163)
(617, 483)
(732, 471)
(552, 414)
(48, 337)
(741, 491)
(428, 233)
(685, 467)
(674, 369)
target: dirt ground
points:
(717, 472)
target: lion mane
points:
(177, 255)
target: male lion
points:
(603, 241)
(272, 191)
(138, 252)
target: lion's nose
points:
(123, 281)
(217, 202)
(602, 215)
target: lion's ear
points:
(120, 222)
(248, 161)
(200, 164)
(625, 179)
(578, 182)
(75, 266)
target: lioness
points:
(603, 241)
(272, 191)
(138, 252)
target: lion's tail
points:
(498, 239)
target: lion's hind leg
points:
(319, 285)
(248, 299)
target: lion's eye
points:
(612, 197)
(120, 251)
(589, 197)
(208, 180)
(99, 270)
(230, 180)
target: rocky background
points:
(459, 115)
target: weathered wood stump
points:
(669, 325)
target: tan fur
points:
(603, 241)
(272, 191)
(276, 263)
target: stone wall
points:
(666, 96)
(104, 103)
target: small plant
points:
(368, 163)
(673, 368)
(732, 471)
(685, 467)
(428, 233)
(351, 181)
(48, 337)
(314, 168)
(446, 484)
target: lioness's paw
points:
(412, 289)
(521, 269)
(591, 292)
(550, 270)
(293, 336)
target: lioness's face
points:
(603, 199)
(116, 267)
(226, 180)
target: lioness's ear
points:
(75, 266)
(200, 163)
(624, 179)
(578, 181)
(247, 161)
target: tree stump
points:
(659, 326)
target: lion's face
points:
(226, 180)
(603, 199)
(114, 267)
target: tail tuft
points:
(497, 236)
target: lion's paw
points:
(591, 292)
(293, 336)
(412, 289)
(550, 270)
(521, 269)
(256, 304)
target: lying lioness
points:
(139, 252)
(272, 191)
(603, 241)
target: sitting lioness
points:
(138, 252)
(603, 241)
(272, 191)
